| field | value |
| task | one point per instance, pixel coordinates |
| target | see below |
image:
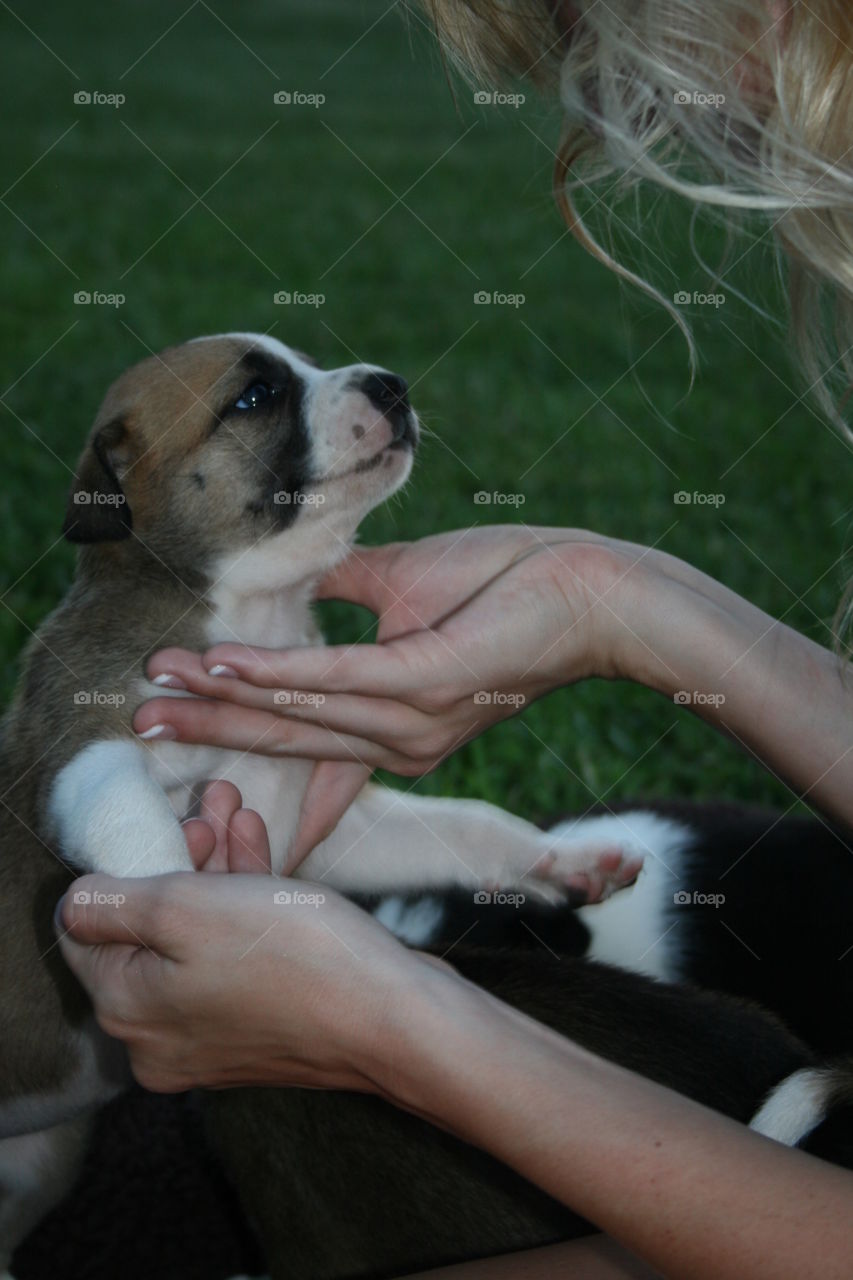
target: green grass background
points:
(311, 207)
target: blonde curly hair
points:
(745, 105)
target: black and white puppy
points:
(731, 898)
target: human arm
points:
(198, 995)
(519, 611)
(594, 1257)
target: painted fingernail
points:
(160, 731)
(57, 916)
(221, 670)
(167, 681)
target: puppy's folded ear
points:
(98, 510)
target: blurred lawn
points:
(304, 198)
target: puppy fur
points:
(221, 479)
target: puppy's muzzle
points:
(389, 394)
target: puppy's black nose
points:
(386, 391)
(389, 393)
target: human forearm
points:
(200, 1003)
(654, 1170)
(594, 1257)
(776, 693)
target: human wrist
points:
(454, 1050)
(585, 576)
(672, 627)
(424, 1020)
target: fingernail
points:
(167, 681)
(160, 731)
(58, 926)
(221, 670)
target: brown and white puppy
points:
(221, 479)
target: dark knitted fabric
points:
(151, 1204)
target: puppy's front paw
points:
(585, 870)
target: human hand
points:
(217, 981)
(225, 836)
(503, 611)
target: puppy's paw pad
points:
(588, 872)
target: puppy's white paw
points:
(583, 869)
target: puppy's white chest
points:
(273, 788)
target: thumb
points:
(360, 578)
(331, 790)
(102, 909)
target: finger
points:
(219, 725)
(331, 789)
(361, 578)
(438, 962)
(180, 669)
(173, 667)
(383, 720)
(201, 841)
(375, 669)
(101, 909)
(219, 802)
(248, 843)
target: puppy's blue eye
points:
(254, 396)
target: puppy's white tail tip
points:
(796, 1106)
